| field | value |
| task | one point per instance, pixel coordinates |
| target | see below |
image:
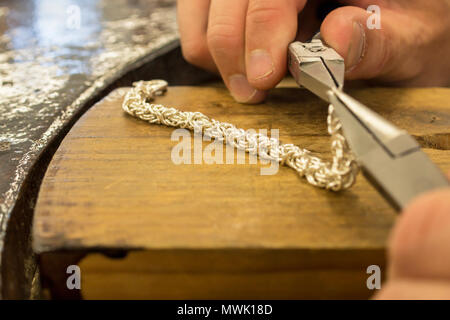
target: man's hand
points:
(419, 251)
(247, 40)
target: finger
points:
(192, 16)
(369, 53)
(225, 36)
(270, 27)
(420, 242)
(414, 290)
(314, 12)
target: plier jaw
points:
(316, 66)
(389, 157)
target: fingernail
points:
(260, 64)
(241, 90)
(357, 46)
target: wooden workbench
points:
(218, 231)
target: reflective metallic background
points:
(56, 57)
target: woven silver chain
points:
(338, 174)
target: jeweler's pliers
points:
(389, 157)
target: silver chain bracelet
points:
(338, 174)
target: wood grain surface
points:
(112, 183)
(229, 274)
(222, 230)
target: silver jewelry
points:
(336, 175)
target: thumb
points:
(368, 53)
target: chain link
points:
(336, 175)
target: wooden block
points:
(112, 184)
(229, 274)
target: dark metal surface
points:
(56, 58)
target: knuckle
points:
(264, 11)
(194, 52)
(223, 34)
